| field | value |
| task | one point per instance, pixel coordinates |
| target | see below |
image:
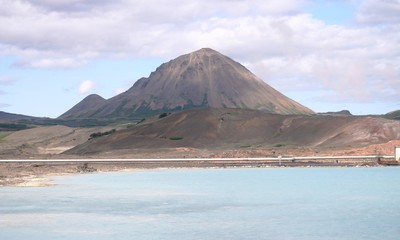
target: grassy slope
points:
(4, 134)
(393, 115)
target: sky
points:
(328, 55)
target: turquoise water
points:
(276, 203)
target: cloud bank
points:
(278, 40)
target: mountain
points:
(238, 128)
(5, 117)
(201, 79)
(90, 102)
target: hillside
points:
(393, 115)
(240, 128)
(6, 117)
(44, 140)
(201, 79)
(90, 102)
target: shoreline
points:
(28, 174)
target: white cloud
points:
(71, 5)
(276, 39)
(86, 86)
(380, 12)
(51, 63)
(123, 27)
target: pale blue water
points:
(278, 203)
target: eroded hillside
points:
(239, 128)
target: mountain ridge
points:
(6, 116)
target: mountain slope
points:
(79, 110)
(235, 128)
(201, 79)
(5, 116)
(393, 115)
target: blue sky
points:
(328, 55)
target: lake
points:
(265, 203)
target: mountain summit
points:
(201, 79)
(90, 102)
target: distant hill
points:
(237, 128)
(201, 79)
(10, 121)
(6, 117)
(393, 115)
(339, 113)
(79, 110)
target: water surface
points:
(276, 203)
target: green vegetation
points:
(393, 115)
(245, 146)
(4, 135)
(130, 125)
(100, 134)
(278, 145)
(83, 122)
(175, 138)
(163, 115)
(13, 126)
